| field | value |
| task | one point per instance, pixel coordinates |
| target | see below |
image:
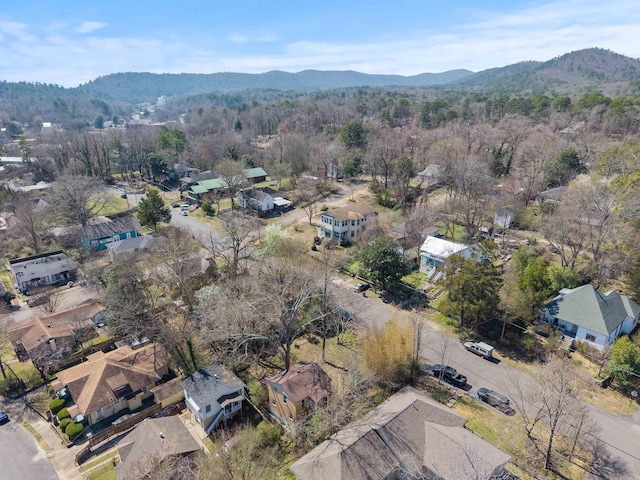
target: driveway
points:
(21, 456)
(621, 433)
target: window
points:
(353, 234)
(591, 338)
(353, 223)
(284, 399)
(291, 416)
(207, 409)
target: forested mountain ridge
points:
(572, 73)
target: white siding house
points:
(589, 315)
(344, 224)
(435, 251)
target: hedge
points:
(56, 405)
(62, 414)
(64, 423)
(74, 430)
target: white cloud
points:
(258, 38)
(88, 27)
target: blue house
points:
(97, 236)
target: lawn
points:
(116, 205)
(102, 459)
(459, 235)
(415, 279)
(106, 472)
(96, 341)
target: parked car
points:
(497, 400)
(361, 287)
(480, 348)
(3, 416)
(184, 213)
(449, 375)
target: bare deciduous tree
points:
(78, 198)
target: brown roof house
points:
(409, 435)
(51, 336)
(343, 225)
(213, 394)
(108, 383)
(292, 393)
(150, 443)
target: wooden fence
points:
(115, 429)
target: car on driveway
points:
(361, 287)
(3, 416)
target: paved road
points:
(621, 433)
(21, 457)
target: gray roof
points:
(211, 383)
(409, 429)
(113, 227)
(140, 242)
(591, 309)
(149, 443)
(43, 265)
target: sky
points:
(70, 42)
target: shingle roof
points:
(591, 309)
(88, 381)
(211, 383)
(302, 380)
(408, 429)
(352, 212)
(108, 229)
(152, 441)
(55, 325)
(141, 241)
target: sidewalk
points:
(62, 458)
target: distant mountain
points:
(147, 87)
(572, 73)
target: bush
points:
(56, 405)
(64, 413)
(64, 423)
(74, 430)
(268, 434)
(208, 209)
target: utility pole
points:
(504, 326)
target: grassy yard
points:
(459, 235)
(415, 279)
(116, 205)
(96, 341)
(106, 472)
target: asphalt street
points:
(21, 457)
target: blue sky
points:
(69, 42)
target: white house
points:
(261, 200)
(435, 251)
(343, 225)
(130, 246)
(590, 315)
(432, 175)
(213, 394)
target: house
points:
(213, 394)
(587, 314)
(108, 383)
(53, 268)
(96, 237)
(343, 225)
(153, 441)
(207, 189)
(261, 200)
(130, 246)
(410, 435)
(435, 251)
(553, 195)
(46, 336)
(505, 216)
(293, 392)
(255, 175)
(432, 175)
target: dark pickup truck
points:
(449, 375)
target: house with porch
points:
(343, 225)
(294, 392)
(589, 315)
(96, 237)
(262, 201)
(52, 268)
(434, 253)
(108, 383)
(213, 395)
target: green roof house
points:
(590, 315)
(255, 175)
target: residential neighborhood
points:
(380, 282)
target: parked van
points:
(482, 349)
(184, 207)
